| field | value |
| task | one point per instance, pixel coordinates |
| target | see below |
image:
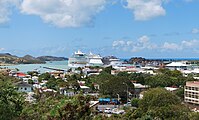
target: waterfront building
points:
(177, 66)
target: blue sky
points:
(124, 28)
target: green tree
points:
(139, 77)
(30, 81)
(52, 83)
(134, 102)
(108, 69)
(112, 85)
(180, 93)
(44, 76)
(162, 104)
(194, 116)
(11, 101)
(40, 110)
(76, 108)
(123, 74)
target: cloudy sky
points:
(124, 28)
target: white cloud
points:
(2, 49)
(119, 43)
(134, 46)
(143, 44)
(144, 39)
(146, 9)
(189, 44)
(171, 46)
(64, 13)
(195, 31)
(6, 9)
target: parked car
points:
(108, 110)
(99, 111)
(117, 111)
(128, 104)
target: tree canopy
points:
(162, 104)
(112, 85)
(11, 101)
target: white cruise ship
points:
(80, 59)
(94, 60)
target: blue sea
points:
(39, 67)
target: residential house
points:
(24, 87)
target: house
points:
(171, 89)
(24, 87)
(20, 75)
(25, 80)
(85, 89)
(67, 92)
(47, 90)
(35, 79)
(81, 83)
(96, 86)
(138, 88)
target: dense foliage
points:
(11, 102)
(157, 103)
(112, 85)
(57, 107)
(162, 104)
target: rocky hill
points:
(6, 58)
(51, 58)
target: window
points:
(196, 89)
(25, 88)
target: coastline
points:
(5, 64)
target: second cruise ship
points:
(80, 59)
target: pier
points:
(56, 69)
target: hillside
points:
(7, 58)
(51, 58)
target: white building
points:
(177, 66)
(191, 93)
(138, 89)
(67, 92)
(24, 87)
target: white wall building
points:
(191, 93)
(24, 87)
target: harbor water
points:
(63, 65)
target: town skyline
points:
(127, 28)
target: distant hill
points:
(51, 58)
(7, 58)
(28, 59)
